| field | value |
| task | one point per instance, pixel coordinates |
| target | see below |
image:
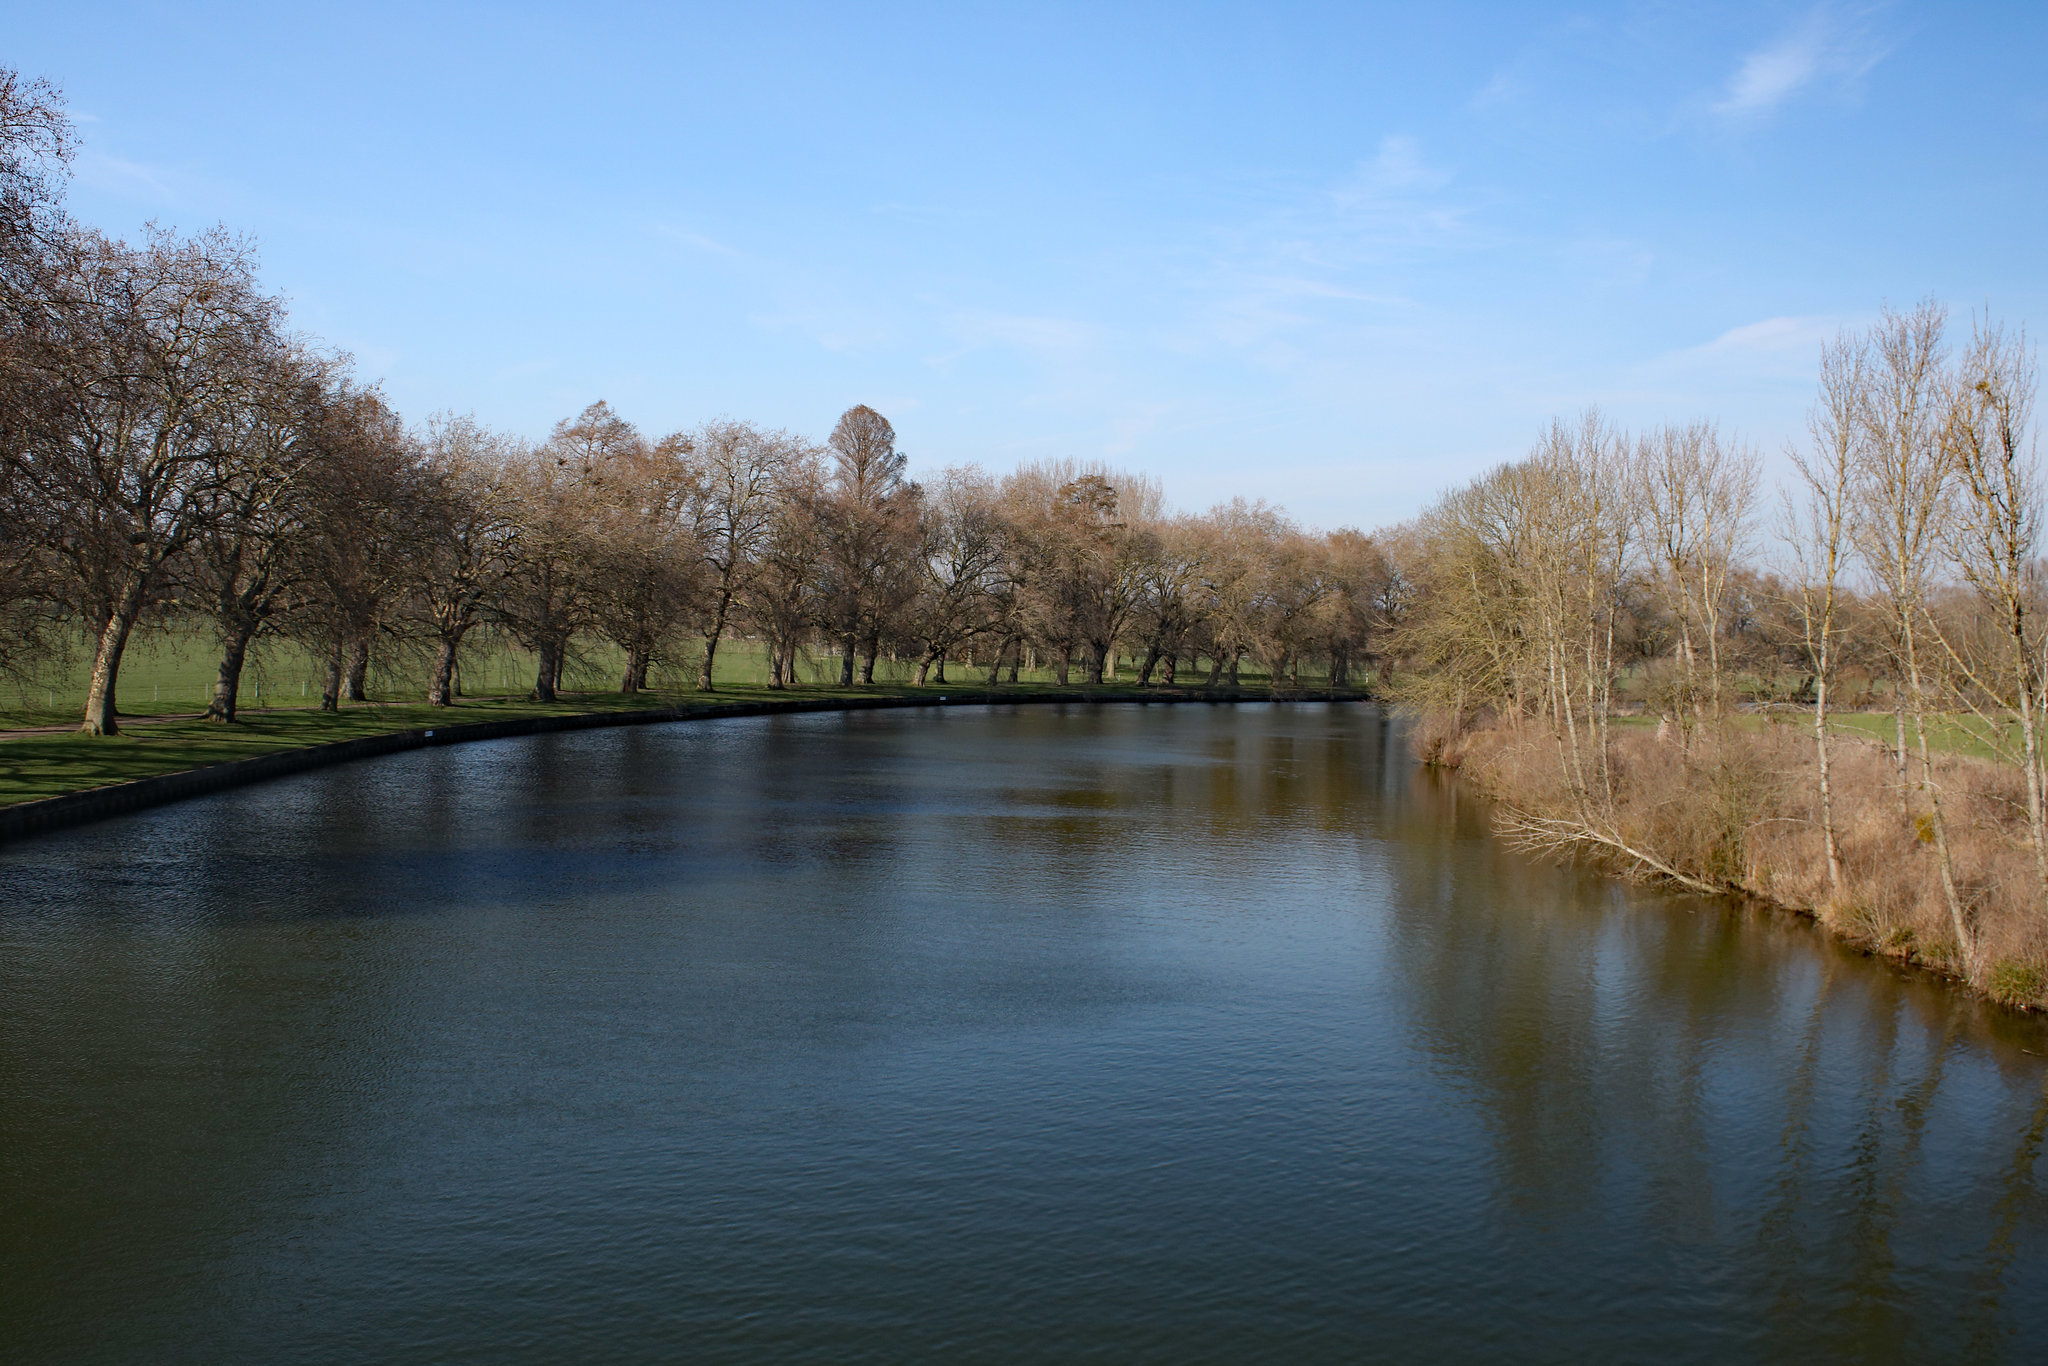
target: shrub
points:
(2015, 983)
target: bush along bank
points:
(1734, 808)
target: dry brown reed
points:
(1738, 808)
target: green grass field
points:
(1949, 734)
(170, 673)
(164, 686)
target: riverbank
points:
(1736, 811)
(51, 781)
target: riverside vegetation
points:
(177, 464)
(1592, 636)
(1590, 633)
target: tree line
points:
(173, 452)
(1611, 576)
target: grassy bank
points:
(1736, 809)
(35, 766)
(170, 673)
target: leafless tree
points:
(961, 566)
(245, 565)
(362, 493)
(461, 545)
(785, 594)
(732, 515)
(1994, 540)
(1821, 536)
(143, 355)
(869, 516)
(1902, 489)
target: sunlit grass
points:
(1949, 733)
(170, 673)
(163, 695)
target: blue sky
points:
(1333, 256)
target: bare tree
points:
(1170, 589)
(732, 516)
(360, 490)
(1692, 498)
(869, 515)
(1902, 489)
(644, 579)
(142, 353)
(244, 565)
(785, 594)
(961, 566)
(461, 544)
(35, 152)
(1819, 532)
(1994, 539)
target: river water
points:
(1119, 1033)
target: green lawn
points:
(170, 673)
(1948, 733)
(53, 763)
(167, 678)
(1957, 735)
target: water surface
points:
(991, 1034)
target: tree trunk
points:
(1827, 797)
(924, 667)
(1065, 668)
(636, 671)
(1169, 665)
(2030, 747)
(356, 687)
(440, 683)
(867, 661)
(1966, 939)
(1096, 659)
(330, 686)
(1899, 754)
(1151, 663)
(227, 682)
(1215, 670)
(1016, 661)
(101, 713)
(545, 675)
(846, 653)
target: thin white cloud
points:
(1773, 335)
(1784, 348)
(1502, 89)
(1051, 338)
(1825, 50)
(1767, 78)
(1129, 429)
(1398, 166)
(118, 175)
(699, 241)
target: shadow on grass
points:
(49, 765)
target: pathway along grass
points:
(38, 768)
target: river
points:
(1117, 1033)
